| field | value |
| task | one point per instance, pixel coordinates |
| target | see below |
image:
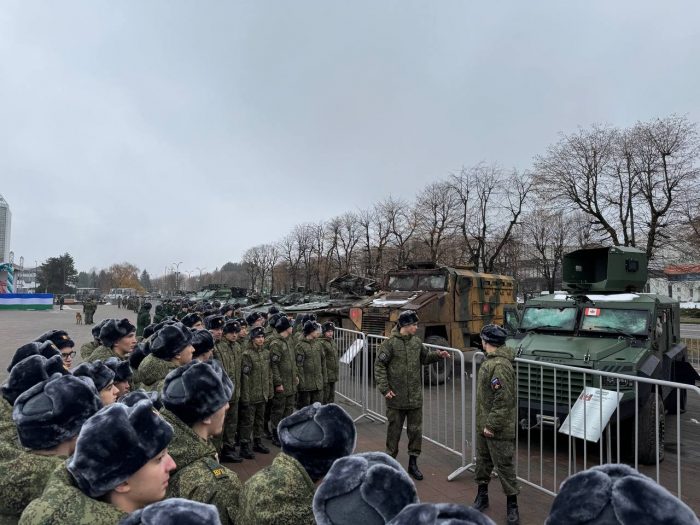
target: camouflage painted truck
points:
(603, 322)
(453, 304)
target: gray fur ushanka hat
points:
(440, 514)
(369, 488)
(316, 436)
(100, 373)
(122, 369)
(114, 329)
(46, 348)
(616, 494)
(171, 340)
(29, 372)
(115, 443)
(174, 511)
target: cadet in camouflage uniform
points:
(495, 421)
(255, 391)
(160, 314)
(88, 348)
(397, 372)
(330, 352)
(196, 418)
(171, 347)
(282, 494)
(118, 339)
(285, 376)
(46, 435)
(310, 365)
(228, 353)
(143, 319)
(92, 487)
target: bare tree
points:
(348, 237)
(549, 233)
(436, 208)
(402, 219)
(290, 254)
(375, 228)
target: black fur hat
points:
(114, 329)
(273, 318)
(98, 371)
(135, 396)
(54, 410)
(59, 338)
(214, 322)
(226, 308)
(139, 353)
(372, 487)
(203, 342)
(310, 327)
(494, 334)
(29, 372)
(47, 349)
(174, 511)
(327, 327)
(307, 317)
(96, 329)
(196, 390)
(316, 436)
(122, 369)
(149, 330)
(440, 513)
(613, 494)
(171, 340)
(273, 310)
(252, 317)
(146, 306)
(408, 317)
(257, 332)
(282, 324)
(115, 443)
(191, 319)
(232, 327)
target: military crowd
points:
(138, 432)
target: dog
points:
(78, 318)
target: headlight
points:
(613, 382)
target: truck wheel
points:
(672, 401)
(440, 371)
(648, 431)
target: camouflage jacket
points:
(495, 394)
(23, 476)
(87, 349)
(310, 365)
(151, 373)
(283, 365)
(103, 353)
(281, 494)
(199, 476)
(142, 321)
(398, 367)
(229, 356)
(62, 502)
(8, 429)
(255, 376)
(330, 351)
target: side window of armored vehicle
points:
(432, 282)
(401, 282)
(661, 331)
(511, 322)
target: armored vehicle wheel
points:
(672, 401)
(648, 430)
(440, 371)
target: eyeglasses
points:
(68, 355)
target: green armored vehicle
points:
(603, 322)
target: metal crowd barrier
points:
(693, 351)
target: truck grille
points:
(537, 385)
(373, 324)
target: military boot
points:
(276, 439)
(229, 455)
(246, 452)
(259, 447)
(482, 498)
(513, 517)
(413, 468)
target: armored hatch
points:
(611, 269)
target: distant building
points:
(680, 281)
(5, 230)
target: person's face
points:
(231, 336)
(199, 325)
(217, 332)
(122, 387)
(411, 328)
(328, 334)
(108, 394)
(205, 356)
(217, 421)
(125, 345)
(259, 322)
(259, 341)
(149, 483)
(244, 331)
(185, 356)
(67, 354)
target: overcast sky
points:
(165, 131)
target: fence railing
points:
(693, 351)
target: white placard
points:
(351, 352)
(598, 406)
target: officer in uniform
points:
(397, 372)
(330, 351)
(143, 319)
(228, 353)
(285, 376)
(255, 391)
(310, 365)
(495, 421)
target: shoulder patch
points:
(246, 369)
(275, 358)
(300, 358)
(384, 357)
(216, 469)
(496, 384)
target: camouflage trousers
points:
(282, 406)
(496, 454)
(328, 393)
(252, 419)
(228, 438)
(414, 429)
(309, 397)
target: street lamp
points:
(199, 283)
(177, 275)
